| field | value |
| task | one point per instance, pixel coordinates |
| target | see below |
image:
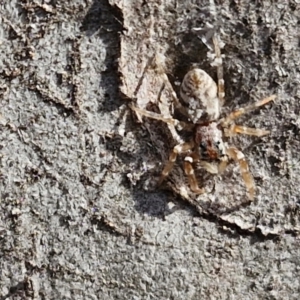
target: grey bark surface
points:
(79, 218)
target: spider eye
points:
(217, 144)
(203, 146)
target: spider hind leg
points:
(237, 113)
(220, 72)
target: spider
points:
(202, 100)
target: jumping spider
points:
(202, 100)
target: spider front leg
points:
(179, 149)
(239, 157)
(190, 173)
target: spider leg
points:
(179, 149)
(220, 73)
(239, 157)
(241, 111)
(152, 115)
(178, 105)
(234, 129)
(160, 67)
(189, 171)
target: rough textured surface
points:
(76, 219)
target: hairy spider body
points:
(209, 140)
(201, 104)
(199, 94)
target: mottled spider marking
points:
(199, 93)
(210, 140)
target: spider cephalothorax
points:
(209, 139)
(201, 103)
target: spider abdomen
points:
(199, 93)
